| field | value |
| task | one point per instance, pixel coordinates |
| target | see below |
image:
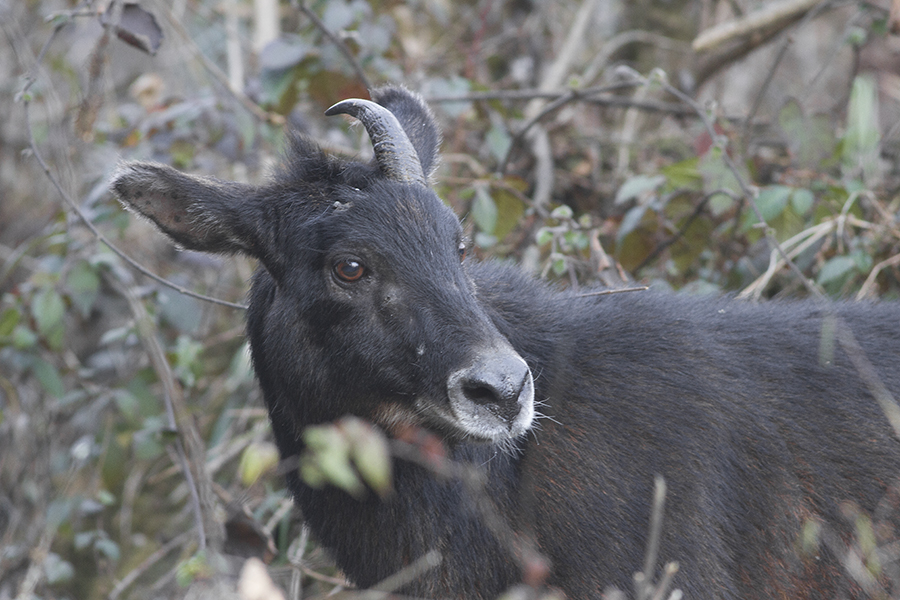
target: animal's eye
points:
(461, 250)
(349, 270)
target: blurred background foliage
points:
(593, 141)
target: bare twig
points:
(558, 71)
(557, 103)
(803, 240)
(628, 133)
(620, 40)
(644, 581)
(869, 375)
(295, 556)
(188, 445)
(726, 42)
(255, 109)
(773, 15)
(867, 288)
(764, 88)
(639, 288)
(747, 192)
(341, 46)
(70, 202)
(148, 563)
(418, 567)
(521, 548)
(553, 78)
(683, 229)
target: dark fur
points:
(752, 413)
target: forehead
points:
(411, 213)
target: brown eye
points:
(349, 270)
(461, 250)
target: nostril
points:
(501, 400)
(480, 393)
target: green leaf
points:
(819, 144)
(84, 539)
(802, 201)
(107, 548)
(49, 377)
(83, 284)
(485, 240)
(716, 173)
(23, 337)
(57, 570)
(544, 236)
(498, 142)
(772, 201)
(484, 210)
(638, 187)
(127, 404)
(257, 459)
(8, 321)
(106, 498)
(719, 204)
(328, 455)
(48, 309)
(559, 264)
(862, 137)
(790, 119)
(370, 453)
(836, 268)
(630, 221)
(145, 441)
(196, 567)
(562, 213)
(187, 365)
(509, 211)
(684, 175)
(283, 53)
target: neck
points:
(373, 539)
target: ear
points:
(417, 121)
(200, 213)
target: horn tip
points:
(350, 107)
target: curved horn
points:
(394, 153)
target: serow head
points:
(363, 303)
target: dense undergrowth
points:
(604, 156)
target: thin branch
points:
(770, 75)
(176, 413)
(774, 15)
(70, 202)
(748, 193)
(341, 46)
(869, 375)
(559, 101)
(408, 574)
(866, 290)
(625, 38)
(521, 548)
(574, 44)
(848, 342)
(725, 43)
(148, 563)
(683, 229)
(640, 288)
(552, 78)
(255, 109)
(295, 558)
